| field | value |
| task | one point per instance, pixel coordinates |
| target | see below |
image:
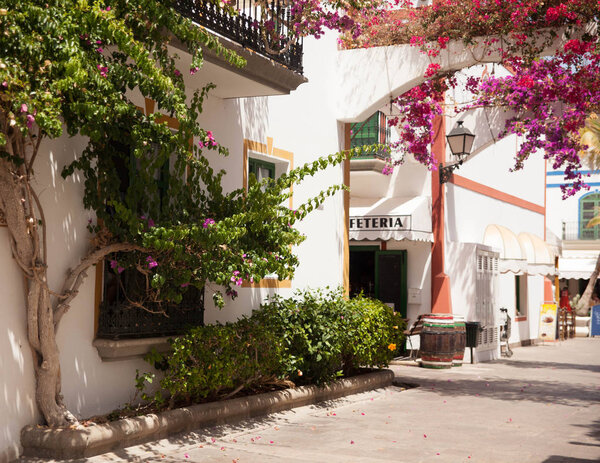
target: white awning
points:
(540, 258)
(576, 267)
(397, 218)
(511, 256)
(525, 253)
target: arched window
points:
(589, 206)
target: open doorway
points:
(379, 274)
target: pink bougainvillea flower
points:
(120, 269)
(30, 120)
(113, 264)
(208, 222)
(151, 262)
(24, 108)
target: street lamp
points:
(460, 141)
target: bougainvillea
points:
(550, 93)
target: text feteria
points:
(363, 223)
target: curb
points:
(66, 443)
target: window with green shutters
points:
(374, 130)
(589, 207)
(261, 169)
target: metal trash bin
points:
(473, 329)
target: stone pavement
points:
(541, 405)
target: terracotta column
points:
(441, 300)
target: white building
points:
(567, 221)
(265, 114)
(469, 246)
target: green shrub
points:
(310, 326)
(326, 335)
(214, 360)
(373, 334)
(312, 337)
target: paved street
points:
(542, 405)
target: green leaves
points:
(310, 338)
(79, 65)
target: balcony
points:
(572, 231)
(372, 162)
(266, 73)
(577, 237)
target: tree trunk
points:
(19, 208)
(44, 308)
(584, 302)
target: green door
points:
(391, 281)
(379, 274)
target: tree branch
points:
(76, 276)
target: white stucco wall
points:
(461, 261)
(17, 401)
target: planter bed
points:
(67, 443)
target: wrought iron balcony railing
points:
(244, 29)
(121, 321)
(572, 231)
(383, 155)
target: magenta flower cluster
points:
(209, 141)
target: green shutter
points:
(258, 167)
(589, 206)
(366, 133)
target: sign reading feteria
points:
(380, 222)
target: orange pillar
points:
(441, 300)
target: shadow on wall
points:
(254, 124)
(18, 402)
(62, 199)
(460, 267)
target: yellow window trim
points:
(268, 150)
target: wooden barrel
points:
(438, 341)
(460, 340)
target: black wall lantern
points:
(460, 141)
